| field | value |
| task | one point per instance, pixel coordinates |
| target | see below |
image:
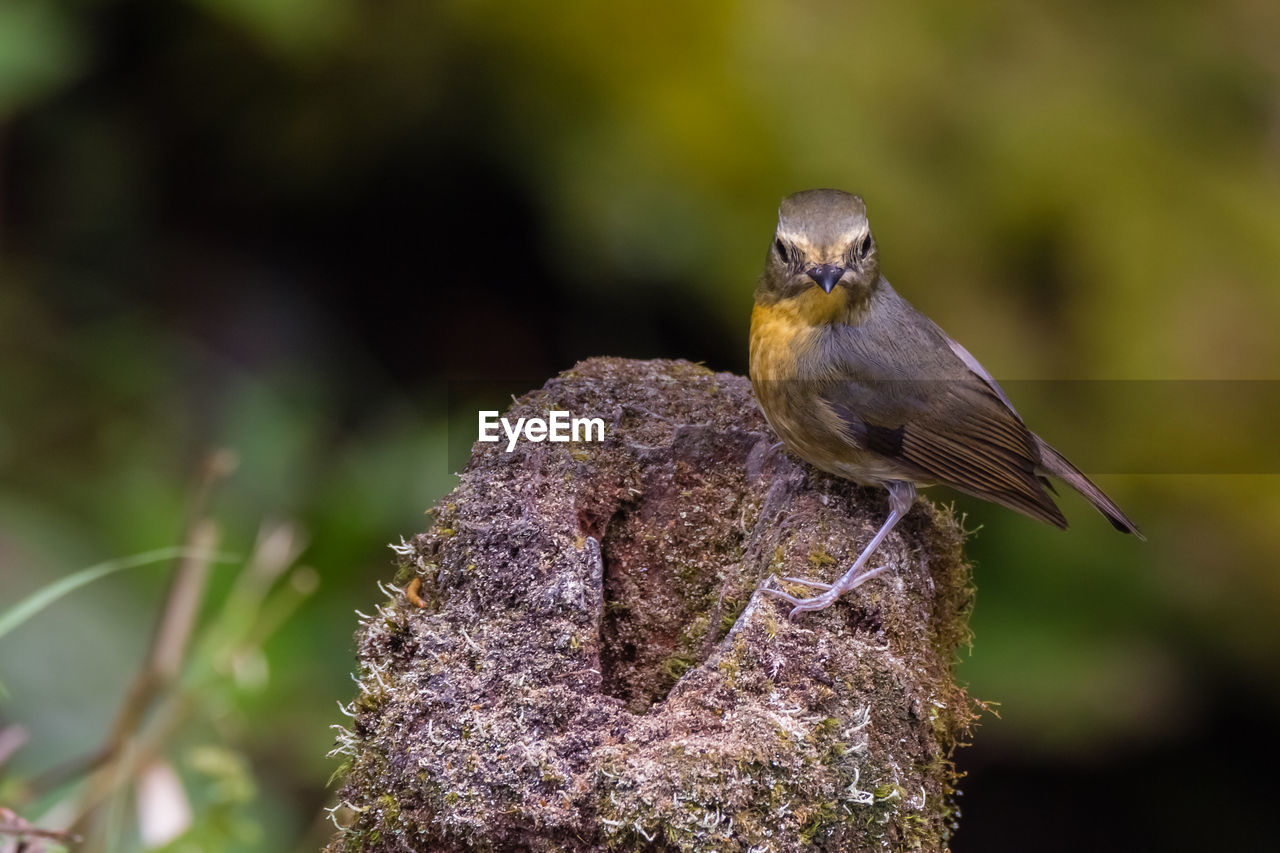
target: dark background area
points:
(322, 234)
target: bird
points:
(858, 383)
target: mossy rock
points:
(585, 666)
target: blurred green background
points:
(301, 229)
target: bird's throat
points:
(813, 307)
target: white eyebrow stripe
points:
(801, 239)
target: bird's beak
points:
(826, 275)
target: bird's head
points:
(823, 248)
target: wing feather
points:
(957, 432)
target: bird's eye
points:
(781, 249)
(864, 247)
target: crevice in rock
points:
(673, 569)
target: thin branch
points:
(36, 832)
(11, 823)
(168, 644)
(161, 667)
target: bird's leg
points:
(901, 496)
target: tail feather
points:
(1058, 465)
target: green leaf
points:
(42, 598)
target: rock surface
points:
(590, 670)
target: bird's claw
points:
(821, 601)
(806, 582)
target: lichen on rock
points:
(591, 670)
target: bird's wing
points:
(955, 432)
(907, 391)
(1050, 460)
(974, 365)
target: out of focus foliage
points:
(293, 227)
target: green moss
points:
(369, 702)
(389, 808)
(821, 817)
(339, 772)
(676, 666)
(884, 791)
(818, 559)
(826, 726)
(695, 633)
(731, 609)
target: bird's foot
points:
(824, 599)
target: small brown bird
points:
(858, 383)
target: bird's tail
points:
(1055, 463)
